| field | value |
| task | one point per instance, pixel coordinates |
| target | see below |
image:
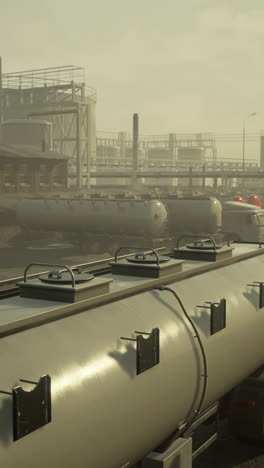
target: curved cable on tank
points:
(186, 426)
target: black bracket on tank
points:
(260, 285)
(31, 410)
(148, 349)
(217, 315)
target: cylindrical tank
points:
(254, 200)
(239, 199)
(37, 133)
(194, 215)
(133, 217)
(103, 414)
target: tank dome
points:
(239, 199)
(254, 200)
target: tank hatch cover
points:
(206, 251)
(145, 264)
(64, 277)
(147, 259)
(63, 285)
(201, 245)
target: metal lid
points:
(144, 258)
(204, 245)
(64, 277)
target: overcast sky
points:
(183, 65)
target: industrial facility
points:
(58, 95)
(52, 112)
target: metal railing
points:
(227, 164)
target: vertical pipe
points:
(171, 146)
(135, 151)
(204, 176)
(215, 183)
(1, 86)
(73, 90)
(78, 152)
(191, 180)
(89, 154)
(243, 152)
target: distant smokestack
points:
(135, 151)
(1, 86)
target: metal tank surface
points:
(133, 217)
(36, 133)
(110, 408)
(194, 215)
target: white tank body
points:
(139, 217)
(103, 414)
(194, 215)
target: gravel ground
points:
(226, 452)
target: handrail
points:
(50, 265)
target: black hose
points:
(184, 429)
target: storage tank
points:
(191, 154)
(194, 215)
(36, 133)
(134, 217)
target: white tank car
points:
(113, 217)
(193, 215)
(112, 403)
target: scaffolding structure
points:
(61, 96)
(161, 144)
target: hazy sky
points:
(183, 65)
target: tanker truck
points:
(96, 224)
(104, 224)
(231, 220)
(118, 368)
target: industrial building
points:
(60, 96)
(25, 169)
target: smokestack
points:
(1, 86)
(135, 151)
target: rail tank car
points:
(122, 361)
(194, 215)
(113, 217)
